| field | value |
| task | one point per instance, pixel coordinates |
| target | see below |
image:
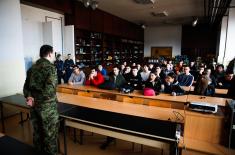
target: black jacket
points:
(173, 87)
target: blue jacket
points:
(59, 64)
(185, 80)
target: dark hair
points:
(116, 67)
(76, 66)
(220, 65)
(93, 68)
(45, 50)
(58, 55)
(134, 67)
(186, 66)
(229, 72)
(172, 75)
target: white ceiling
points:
(179, 11)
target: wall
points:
(227, 46)
(222, 39)
(12, 57)
(230, 46)
(163, 36)
(32, 24)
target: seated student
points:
(167, 70)
(231, 90)
(151, 67)
(95, 78)
(133, 64)
(199, 73)
(77, 77)
(159, 73)
(231, 66)
(226, 81)
(193, 66)
(102, 70)
(145, 73)
(180, 66)
(127, 73)
(154, 82)
(171, 65)
(211, 77)
(135, 80)
(122, 69)
(185, 79)
(164, 63)
(204, 85)
(171, 85)
(219, 72)
(139, 68)
(117, 78)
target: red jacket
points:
(97, 80)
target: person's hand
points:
(173, 93)
(220, 84)
(91, 76)
(70, 83)
(63, 72)
(30, 101)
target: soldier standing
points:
(59, 64)
(40, 94)
(68, 67)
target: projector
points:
(203, 107)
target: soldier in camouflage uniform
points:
(40, 94)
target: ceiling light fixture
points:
(194, 23)
(94, 5)
(143, 26)
(86, 3)
(145, 1)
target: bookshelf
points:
(93, 48)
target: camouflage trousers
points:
(45, 121)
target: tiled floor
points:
(90, 146)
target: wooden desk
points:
(217, 91)
(198, 126)
(148, 125)
(162, 100)
(207, 99)
(200, 146)
(16, 101)
(122, 107)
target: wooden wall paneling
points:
(97, 20)
(108, 23)
(69, 19)
(117, 26)
(60, 5)
(82, 16)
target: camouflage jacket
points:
(41, 81)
